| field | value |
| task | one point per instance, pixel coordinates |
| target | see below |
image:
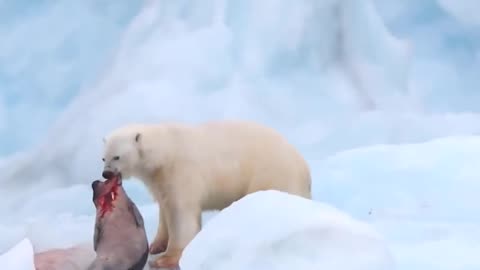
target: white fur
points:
(189, 169)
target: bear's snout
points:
(107, 174)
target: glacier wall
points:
(331, 75)
(335, 56)
(191, 62)
(49, 51)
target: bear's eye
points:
(103, 159)
(116, 158)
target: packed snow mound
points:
(19, 257)
(275, 230)
(405, 181)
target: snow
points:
(19, 257)
(380, 96)
(307, 235)
(397, 169)
(421, 197)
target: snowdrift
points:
(274, 230)
(436, 180)
(19, 257)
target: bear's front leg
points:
(183, 224)
(160, 243)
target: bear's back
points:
(258, 153)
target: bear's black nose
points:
(107, 174)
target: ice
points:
(464, 11)
(307, 235)
(423, 178)
(380, 96)
(422, 197)
(222, 79)
(54, 46)
(376, 59)
(19, 257)
(443, 75)
(311, 102)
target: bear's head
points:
(121, 155)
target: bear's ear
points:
(137, 137)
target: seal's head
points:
(105, 194)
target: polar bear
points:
(193, 168)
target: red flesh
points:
(105, 202)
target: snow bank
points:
(422, 197)
(19, 257)
(436, 180)
(274, 230)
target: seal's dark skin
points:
(120, 241)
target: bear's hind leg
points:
(182, 228)
(160, 243)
